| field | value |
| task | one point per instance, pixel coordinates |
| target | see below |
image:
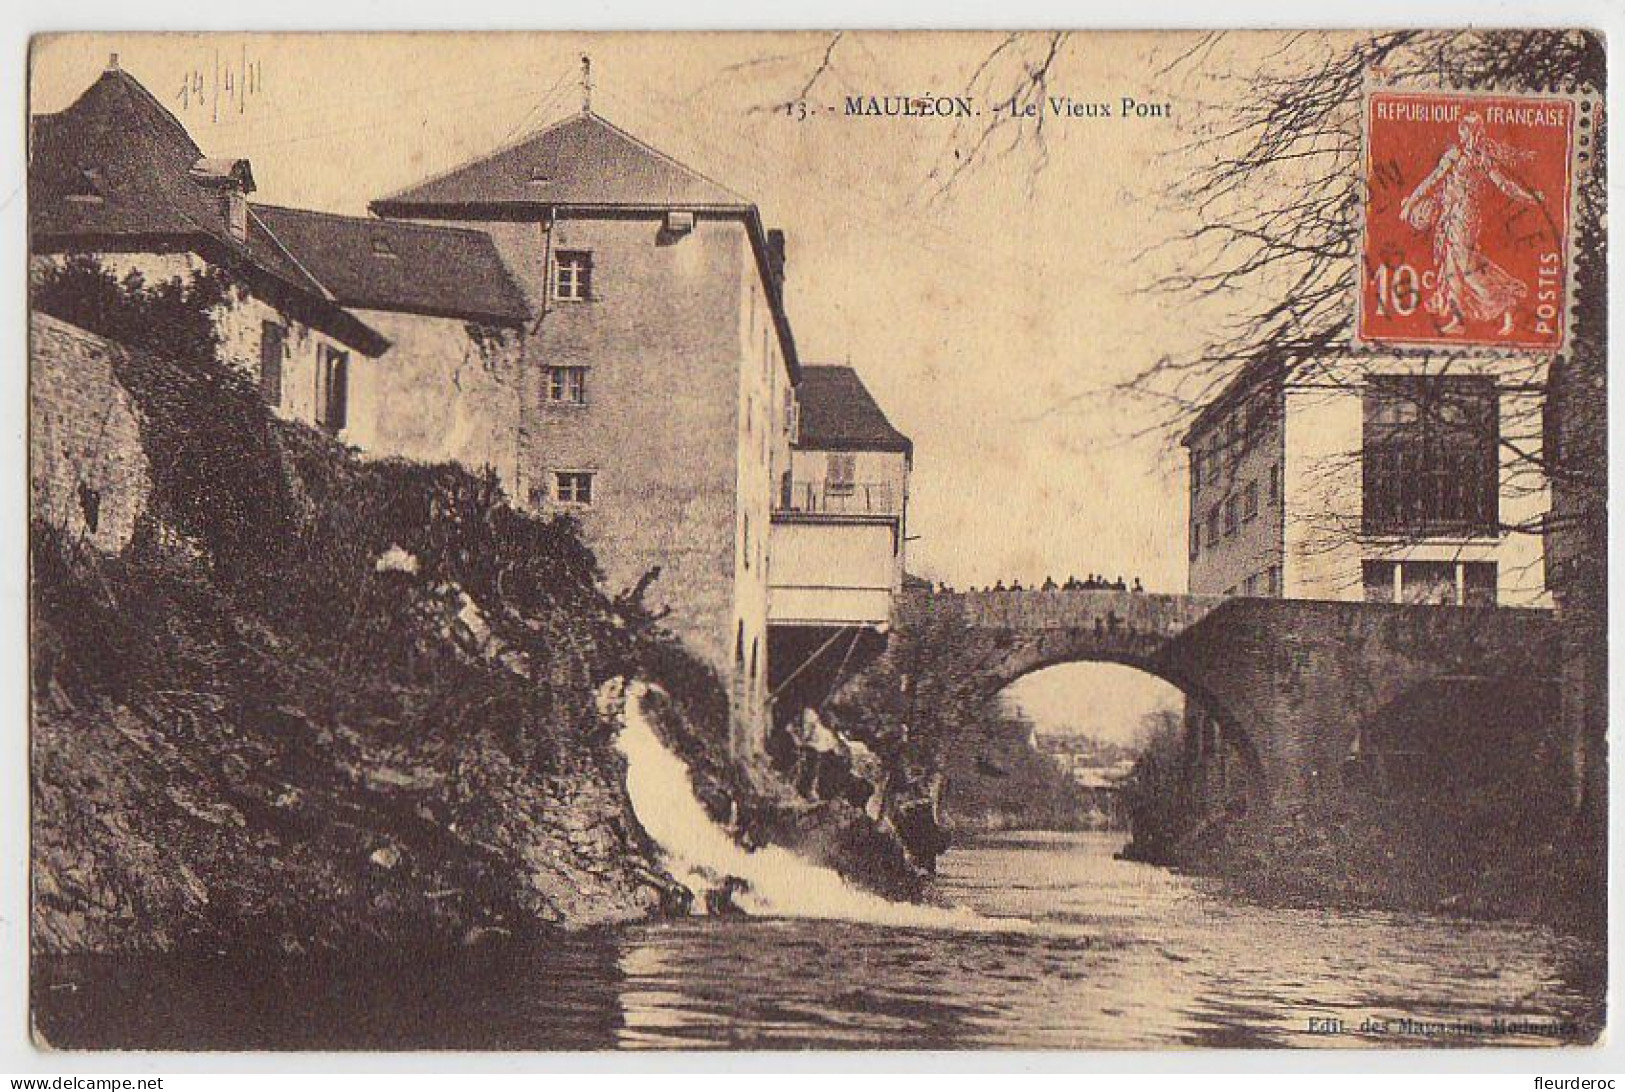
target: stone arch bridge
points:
(1294, 683)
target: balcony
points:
(842, 499)
(836, 554)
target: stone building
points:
(1374, 477)
(448, 387)
(601, 325)
(116, 176)
(660, 372)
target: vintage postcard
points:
(824, 540)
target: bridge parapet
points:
(1036, 610)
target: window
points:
(273, 338)
(1258, 416)
(1231, 517)
(333, 389)
(572, 275)
(1429, 456)
(1213, 526)
(572, 486)
(1196, 468)
(745, 545)
(1478, 586)
(1250, 585)
(1249, 502)
(567, 384)
(1434, 583)
(1428, 582)
(841, 477)
(1275, 483)
(1273, 577)
(1378, 578)
(1196, 538)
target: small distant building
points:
(1380, 478)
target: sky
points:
(989, 319)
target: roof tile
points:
(839, 414)
(581, 161)
(391, 265)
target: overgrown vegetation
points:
(320, 698)
(1157, 797)
(996, 780)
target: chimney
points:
(112, 62)
(236, 211)
(775, 256)
(232, 181)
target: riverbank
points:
(333, 729)
(1110, 954)
(1383, 864)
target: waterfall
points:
(702, 855)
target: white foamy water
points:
(701, 854)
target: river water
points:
(1113, 954)
(1034, 941)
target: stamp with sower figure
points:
(1468, 211)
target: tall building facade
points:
(1374, 478)
(659, 370)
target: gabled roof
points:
(391, 265)
(839, 414)
(115, 170)
(583, 161)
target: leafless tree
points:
(1277, 201)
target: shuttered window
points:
(333, 389)
(273, 338)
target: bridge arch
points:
(1295, 682)
(1232, 722)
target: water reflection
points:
(1124, 956)
(562, 996)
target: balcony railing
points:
(839, 499)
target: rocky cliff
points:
(312, 699)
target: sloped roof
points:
(583, 161)
(839, 414)
(391, 265)
(115, 170)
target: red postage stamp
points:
(1467, 219)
